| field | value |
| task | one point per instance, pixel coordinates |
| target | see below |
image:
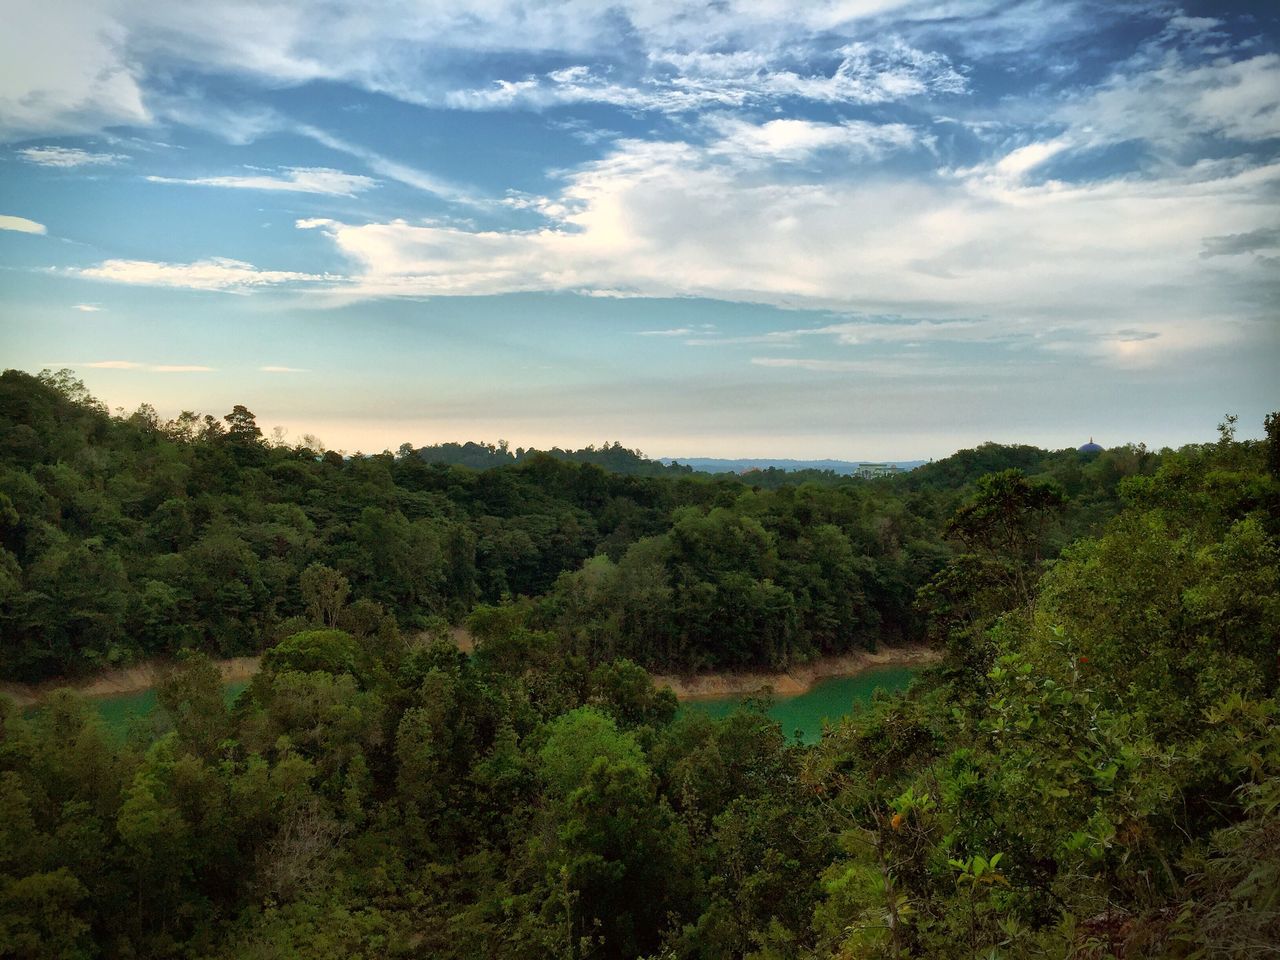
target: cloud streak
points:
(1010, 261)
(319, 180)
(217, 274)
(21, 225)
(866, 73)
(856, 158)
(138, 365)
(79, 69)
(68, 157)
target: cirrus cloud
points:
(138, 365)
(1053, 265)
(217, 274)
(866, 73)
(67, 157)
(21, 225)
(79, 68)
(320, 180)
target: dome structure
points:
(1091, 447)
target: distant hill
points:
(616, 458)
(842, 467)
(613, 457)
(948, 473)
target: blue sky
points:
(849, 228)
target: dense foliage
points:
(613, 457)
(124, 537)
(1093, 771)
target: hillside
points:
(722, 465)
(126, 537)
(369, 796)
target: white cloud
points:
(1172, 103)
(1256, 241)
(215, 274)
(1048, 267)
(64, 69)
(867, 73)
(21, 224)
(73, 66)
(65, 157)
(879, 368)
(87, 307)
(863, 331)
(111, 365)
(1160, 101)
(674, 332)
(820, 366)
(1194, 24)
(391, 169)
(1019, 162)
(794, 140)
(243, 125)
(136, 365)
(322, 180)
(1061, 265)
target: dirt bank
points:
(113, 683)
(462, 637)
(796, 680)
(143, 676)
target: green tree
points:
(324, 591)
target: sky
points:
(865, 229)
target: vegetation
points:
(613, 457)
(123, 537)
(1093, 771)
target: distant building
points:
(1091, 447)
(869, 471)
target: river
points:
(119, 710)
(801, 715)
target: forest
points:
(1092, 770)
(124, 538)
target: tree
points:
(242, 426)
(1272, 425)
(40, 917)
(330, 651)
(192, 696)
(1006, 521)
(324, 591)
(622, 858)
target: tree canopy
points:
(1092, 770)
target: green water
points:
(802, 715)
(826, 700)
(119, 711)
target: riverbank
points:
(143, 676)
(703, 686)
(121, 681)
(798, 679)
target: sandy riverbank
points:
(124, 680)
(144, 676)
(798, 679)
